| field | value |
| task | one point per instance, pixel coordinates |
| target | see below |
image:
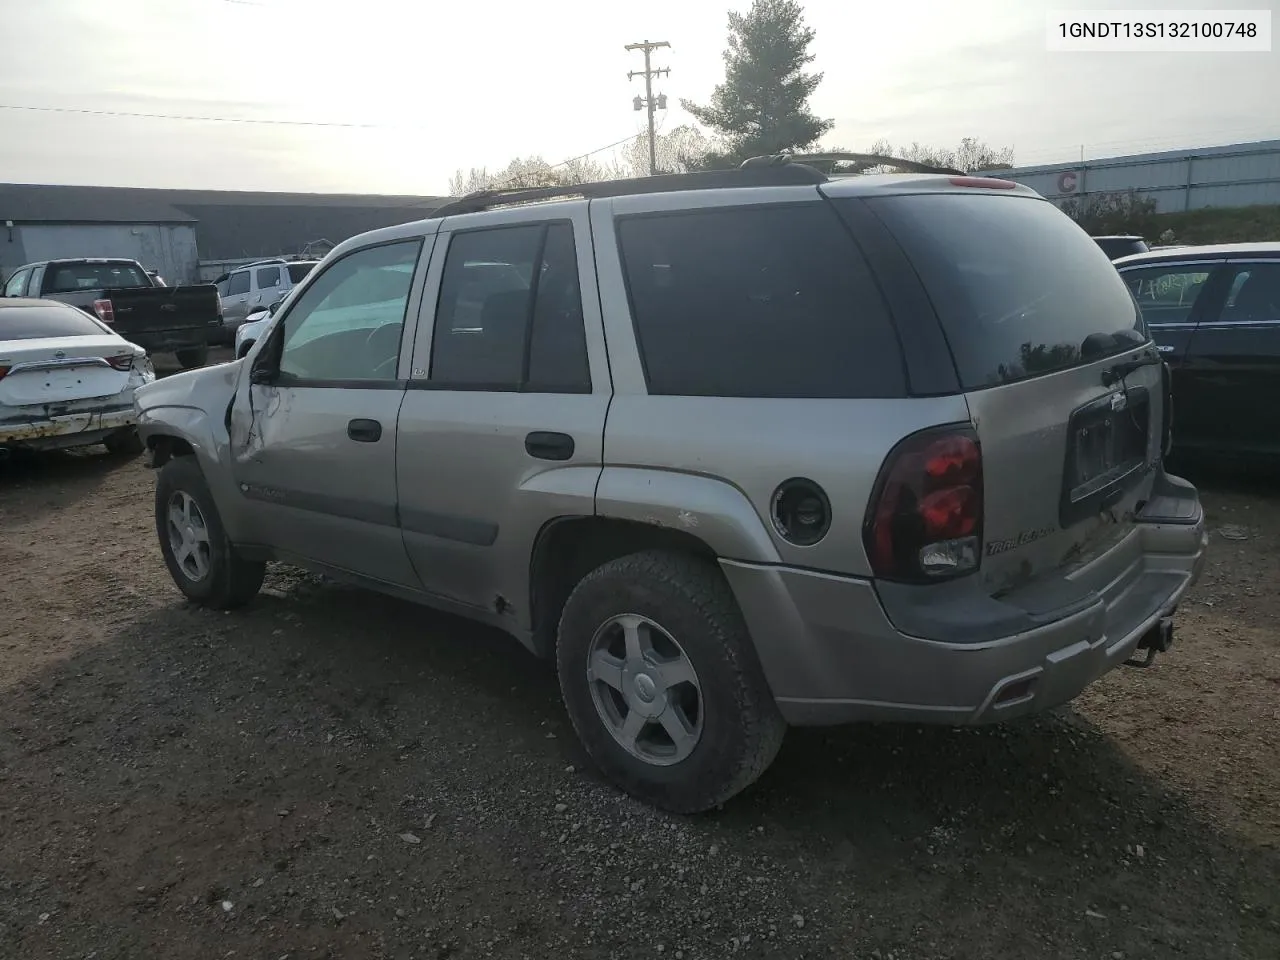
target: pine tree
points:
(763, 105)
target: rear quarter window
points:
(299, 270)
(768, 301)
(1019, 288)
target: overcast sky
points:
(413, 90)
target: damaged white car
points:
(66, 379)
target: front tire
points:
(662, 684)
(203, 563)
(124, 443)
(193, 357)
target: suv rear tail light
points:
(925, 521)
(122, 362)
(3, 371)
(105, 311)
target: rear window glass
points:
(32, 323)
(1020, 289)
(299, 270)
(769, 301)
(70, 277)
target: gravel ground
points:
(334, 774)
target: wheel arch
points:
(568, 548)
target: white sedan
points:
(66, 379)
(248, 332)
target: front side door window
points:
(16, 284)
(347, 324)
(238, 284)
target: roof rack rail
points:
(775, 170)
(774, 175)
(857, 162)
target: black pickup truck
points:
(123, 295)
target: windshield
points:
(70, 277)
(46, 320)
(1020, 289)
(299, 270)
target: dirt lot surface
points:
(333, 774)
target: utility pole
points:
(647, 101)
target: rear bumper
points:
(70, 430)
(167, 341)
(832, 653)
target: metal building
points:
(80, 222)
(1239, 175)
(187, 235)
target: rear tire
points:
(203, 563)
(684, 605)
(124, 443)
(194, 357)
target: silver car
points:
(734, 450)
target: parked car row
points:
(1215, 313)
(252, 288)
(130, 300)
(734, 450)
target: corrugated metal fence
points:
(1239, 175)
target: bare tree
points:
(972, 154)
(678, 151)
(1122, 212)
(532, 171)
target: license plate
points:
(1097, 450)
(1106, 447)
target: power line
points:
(84, 111)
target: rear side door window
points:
(267, 278)
(1254, 295)
(769, 301)
(509, 316)
(1224, 395)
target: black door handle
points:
(364, 431)
(549, 446)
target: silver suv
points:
(735, 450)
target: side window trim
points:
(408, 332)
(421, 374)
